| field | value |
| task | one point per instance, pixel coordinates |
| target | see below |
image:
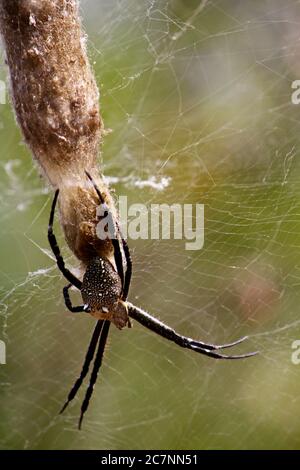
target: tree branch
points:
(55, 98)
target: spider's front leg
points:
(160, 328)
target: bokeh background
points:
(198, 98)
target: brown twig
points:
(55, 98)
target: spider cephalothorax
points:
(104, 291)
(101, 292)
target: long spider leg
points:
(85, 368)
(214, 347)
(95, 187)
(114, 235)
(96, 367)
(56, 251)
(128, 269)
(165, 331)
(211, 353)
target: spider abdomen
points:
(101, 291)
(101, 287)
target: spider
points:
(104, 292)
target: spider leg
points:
(79, 308)
(85, 368)
(128, 273)
(56, 251)
(113, 233)
(96, 367)
(208, 352)
(166, 332)
(214, 347)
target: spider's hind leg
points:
(55, 248)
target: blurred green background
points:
(198, 97)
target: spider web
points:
(198, 95)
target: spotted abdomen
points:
(101, 286)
